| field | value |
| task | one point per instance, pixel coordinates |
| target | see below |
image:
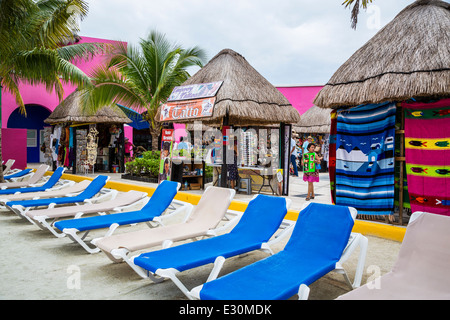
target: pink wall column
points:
(14, 146)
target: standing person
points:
(232, 167)
(310, 172)
(294, 156)
(183, 146)
(128, 148)
(305, 144)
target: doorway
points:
(34, 123)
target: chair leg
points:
(72, 234)
(303, 292)
(171, 274)
(218, 263)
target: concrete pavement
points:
(37, 265)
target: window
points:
(31, 138)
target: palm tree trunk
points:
(155, 132)
(1, 166)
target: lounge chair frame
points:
(42, 222)
(103, 195)
(356, 240)
(72, 233)
(230, 218)
(160, 275)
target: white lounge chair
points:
(36, 177)
(8, 166)
(421, 270)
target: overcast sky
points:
(290, 42)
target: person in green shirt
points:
(310, 172)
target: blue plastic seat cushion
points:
(259, 222)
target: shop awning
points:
(138, 122)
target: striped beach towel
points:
(332, 156)
(365, 158)
(427, 155)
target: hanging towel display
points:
(427, 152)
(365, 158)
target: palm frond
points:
(355, 10)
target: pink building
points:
(301, 97)
(39, 104)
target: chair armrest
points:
(228, 225)
(104, 194)
(184, 207)
(138, 204)
(286, 226)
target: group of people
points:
(310, 160)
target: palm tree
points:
(142, 77)
(355, 10)
(32, 35)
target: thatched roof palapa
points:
(314, 120)
(70, 111)
(245, 95)
(408, 58)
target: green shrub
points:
(148, 165)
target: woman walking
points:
(310, 171)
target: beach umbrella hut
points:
(408, 58)
(70, 111)
(245, 97)
(407, 61)
(314, 120)
(76, 123)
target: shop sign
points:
(190, 109)
(195, 91)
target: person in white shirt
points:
(294, 156)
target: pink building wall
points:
(301, 97)
(38, 94)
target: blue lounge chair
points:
(151, 212)
(22, 207)
(48, 185)
(258, 224)
(316, 247)
(17, 174)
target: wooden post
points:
(401, 158)
(224, 171)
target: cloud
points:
(288, 42)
